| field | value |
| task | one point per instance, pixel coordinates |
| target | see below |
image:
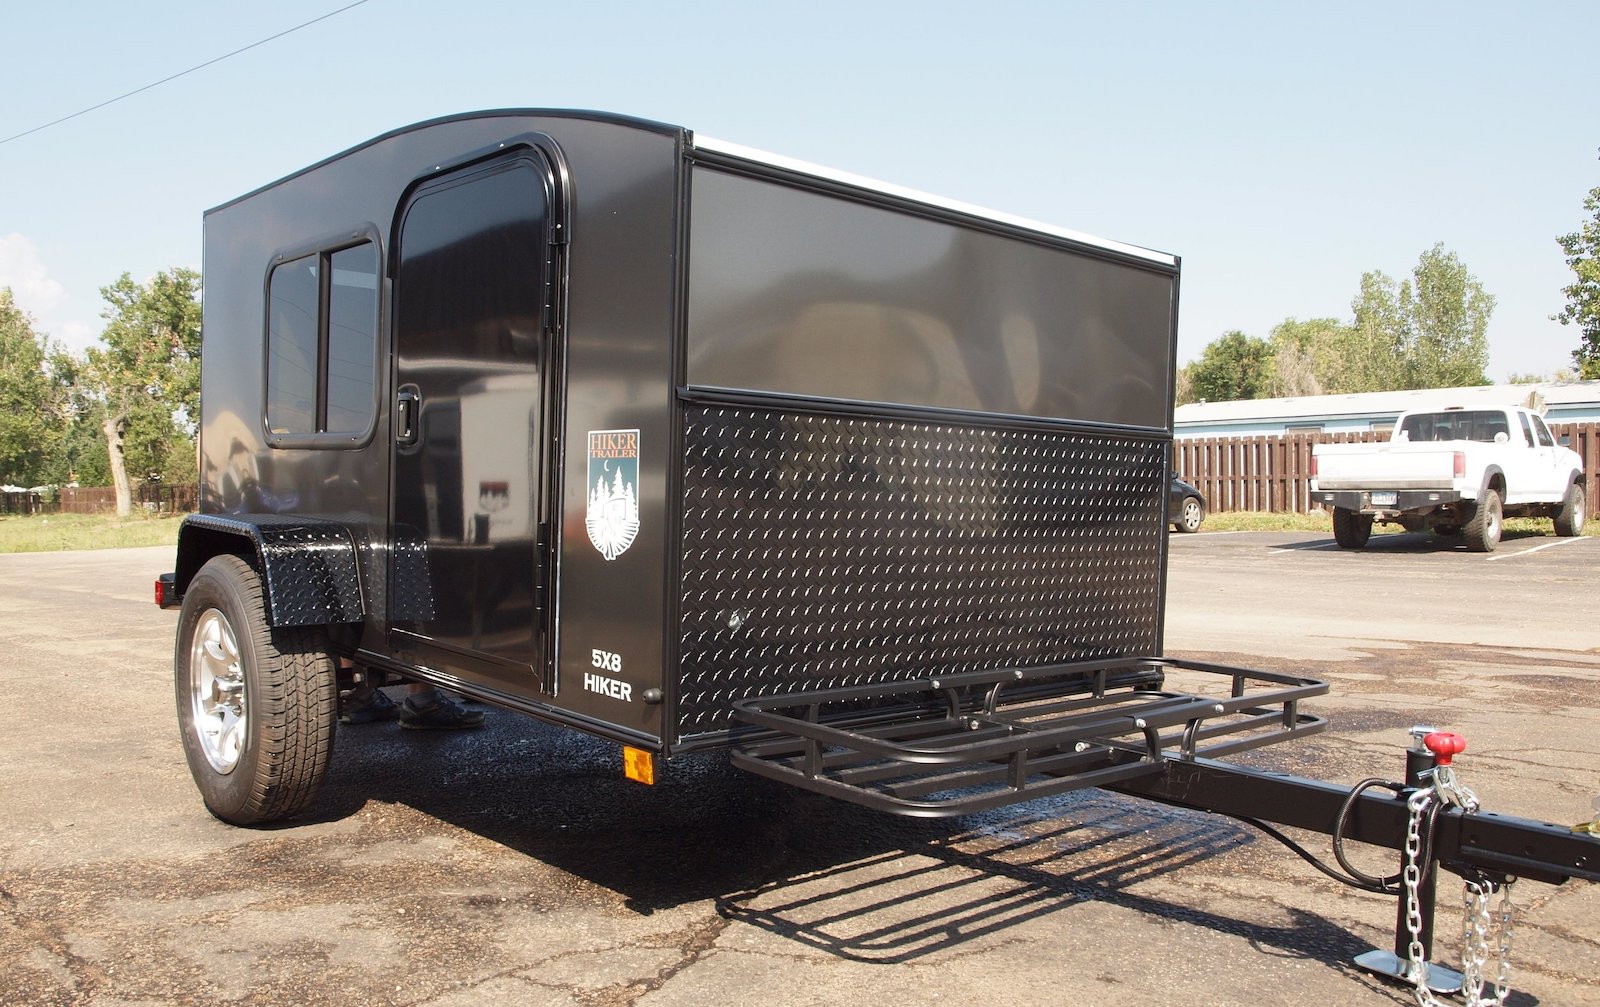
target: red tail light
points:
(1313, 466)
(1461, 464)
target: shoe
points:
(434, 711)
(367, 704)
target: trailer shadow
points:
(846, 881)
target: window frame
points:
(324, 249)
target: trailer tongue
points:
(969, 743)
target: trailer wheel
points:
(256, 705)
(1351, 530)
(1190, 515)
(1482, 533)
(1569, 520)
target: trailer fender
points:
(309, 565)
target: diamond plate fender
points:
(309, 565)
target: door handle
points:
(407, 410)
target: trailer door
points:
(473, 334)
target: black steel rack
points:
(946, 746)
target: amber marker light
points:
(639, 765)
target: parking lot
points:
(514, 865)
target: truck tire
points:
(257, 706)
(1482, 533)
(1569, 520)
(1351, 530)
(1190, 515)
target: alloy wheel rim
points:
(1191, 513)
(217, 698)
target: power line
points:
(184, 73)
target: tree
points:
(1582, 248)
(1448, 311)
(1427, 332)
(1372, 356)
(33, 397)
(1233, 366)
(146, 372)
(1183, 386)
(1308, 356)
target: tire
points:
(1569, 520)
(1351, 530)
(257, 706)
(1190, 515)
(1482, 533)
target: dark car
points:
(1186, 508)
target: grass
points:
(55, 532)
(1264, 521)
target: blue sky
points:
(1281, 149)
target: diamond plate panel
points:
(822, 551)
(309, 565)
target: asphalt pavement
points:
(515, 865)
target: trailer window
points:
(352, 337)
(292, 346)
(322, 340)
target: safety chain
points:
(1479, 916)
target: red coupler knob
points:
(1444, 745)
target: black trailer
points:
(689, 446)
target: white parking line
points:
(1547, 545)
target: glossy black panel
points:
(828, 551)
(619, 376)
(469, 307)
(812, 294)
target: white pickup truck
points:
(1452, 471)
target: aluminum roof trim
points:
(901, 192)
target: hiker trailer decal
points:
(613, 514)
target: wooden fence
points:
(154, 497)
(1273, 473)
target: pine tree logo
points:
(613, 514)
